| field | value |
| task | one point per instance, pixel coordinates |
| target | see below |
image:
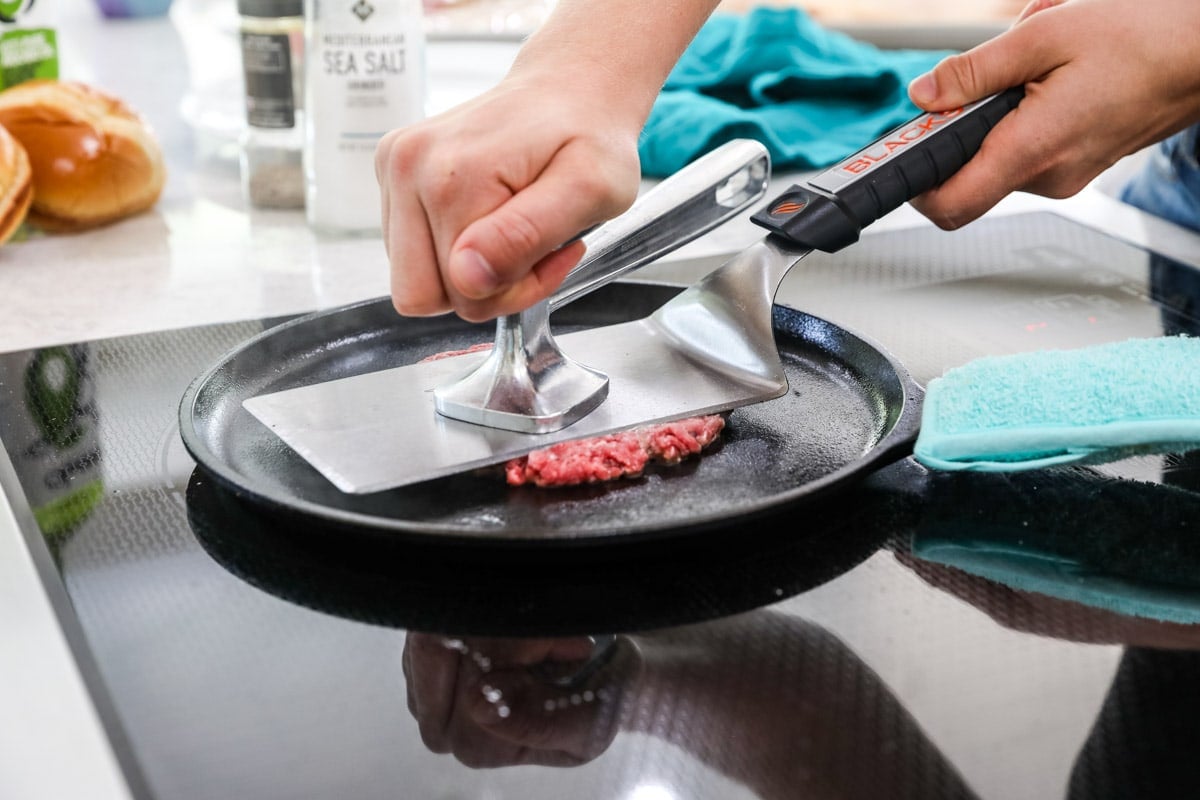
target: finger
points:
(1029, 150)
(539, 283)
(498, 250)
(381, 172)
(1013, 58)
(406, 668)
(416, 283)
(416, 280)
(434, 674)
(991, 174)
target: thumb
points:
(1013, 58)
(501, 248)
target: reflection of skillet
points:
(519, 590)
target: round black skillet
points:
(851, 409)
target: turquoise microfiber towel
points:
(812, 96)
(1085, 406)
(1130, 547)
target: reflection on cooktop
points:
(811, 719)
(490, 587)
(1100, 559)
(779, 704)
(785, 707)
(919, 635)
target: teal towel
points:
(1090, 405)
(1129, 547)
(811, 95)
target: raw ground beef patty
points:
(607, 458)
(617, 455)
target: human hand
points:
(1103, 78)
(478, 202)
(501, 702)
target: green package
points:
(28, 43)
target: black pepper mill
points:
(272, 39)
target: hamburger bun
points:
(94, 160)
(16, 185)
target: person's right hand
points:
(477, 202)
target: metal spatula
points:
(709, 349)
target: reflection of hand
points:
(498, 702)
(476, 200)
(1030, 612)
(1103, 79)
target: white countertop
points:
(203, 256)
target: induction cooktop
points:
(238, 654)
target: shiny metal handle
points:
(709, 191)
(527, 383)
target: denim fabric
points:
(1169, 185)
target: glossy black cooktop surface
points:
(913, 635)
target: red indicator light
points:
(788, 207)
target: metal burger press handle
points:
(528, 385)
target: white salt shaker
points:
(364, 76)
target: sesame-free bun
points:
(16, 185)
(94, 160)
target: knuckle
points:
(440, 181)
(964, 71)
(518, 237)
(612, 197)
(398, 152)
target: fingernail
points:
(923, 88)
(474, 275)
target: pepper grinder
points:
(272, 144)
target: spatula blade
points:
(380, 430)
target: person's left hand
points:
(1103, 79)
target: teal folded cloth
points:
(1085, 406)
(812, 96)
(1130, 547)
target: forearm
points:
(621, 50)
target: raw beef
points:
(617, 455)
(606, 458)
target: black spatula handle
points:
(828, 212)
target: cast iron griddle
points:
(851, 408)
